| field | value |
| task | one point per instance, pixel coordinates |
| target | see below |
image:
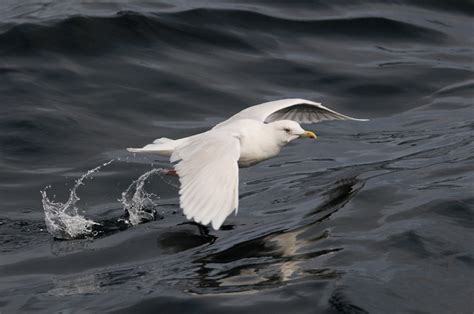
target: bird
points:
(207, 164)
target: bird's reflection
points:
(279, 257)
(67, 286)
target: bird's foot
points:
(203, 231)
(171, 172)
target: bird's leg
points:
(171, 172)
(203, 231)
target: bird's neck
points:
(274, 136)
(258, 145)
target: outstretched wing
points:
(299, 110)
(209, 177)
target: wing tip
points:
(216, 224)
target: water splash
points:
(63, 220)
(138, 203)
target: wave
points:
(235, 29)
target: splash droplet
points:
(138, 203)
(63, 220)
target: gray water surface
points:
(372, 217)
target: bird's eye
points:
(287, 130)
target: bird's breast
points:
(254, 151)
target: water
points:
(139, 204)
(63, 220)
(372, 217)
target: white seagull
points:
(208, 163)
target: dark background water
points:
(373, 217)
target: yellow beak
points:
(309, 134)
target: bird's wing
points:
(299, 110)
(209, 177)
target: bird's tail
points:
(163, 146)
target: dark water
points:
(373, 217)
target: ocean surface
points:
(373, 217)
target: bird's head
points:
(288, 130)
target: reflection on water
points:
(83, 284)
(279, 257)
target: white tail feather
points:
(165, 149)
(162, 140)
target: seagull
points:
(207, 164)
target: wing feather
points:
(299, 110)
(209, 176)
